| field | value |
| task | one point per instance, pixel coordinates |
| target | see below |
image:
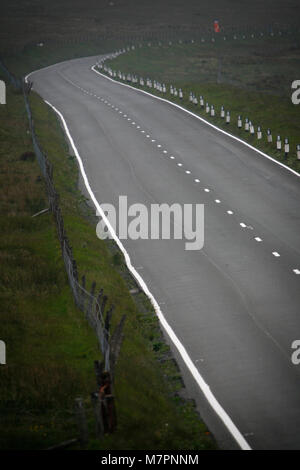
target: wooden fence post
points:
(97, 406)
(115, 345)
(81, 421)
(107, 403)
(98, 308)
(90, 301)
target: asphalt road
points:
(234, 304)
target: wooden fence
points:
(93, 304)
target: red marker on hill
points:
(216, 26)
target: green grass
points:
(50, 347)
(266, 64)
(34, 57)
(180, 65)
(30, 21)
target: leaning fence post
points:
(83, 293)
(115, 345)
(98, 308)
(90, 302)
(81, 421)
(97, 406)
(108, 403)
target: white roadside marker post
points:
(298, 151)
(246, 124)
(227, 117)
(239, 122)
(222, 113)
(286, 148)
(259, 133)
(269, 135)
(278, 143)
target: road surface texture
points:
(234, 304)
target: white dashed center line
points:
(230, 212)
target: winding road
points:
(234, 304)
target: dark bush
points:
(27, 156)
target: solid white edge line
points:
(204, 387)
(200, 119)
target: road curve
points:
(234, 304)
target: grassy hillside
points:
(25, 21)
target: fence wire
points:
(93, 307)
